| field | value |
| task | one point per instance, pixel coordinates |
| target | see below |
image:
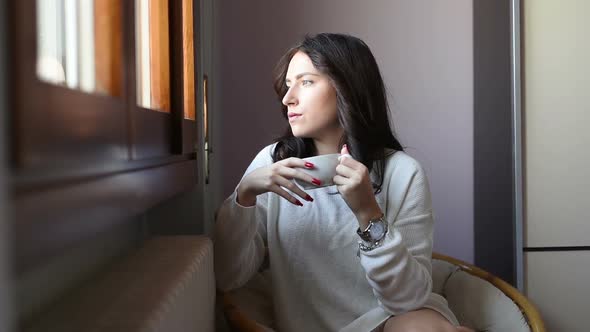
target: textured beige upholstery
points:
(479, 304)
(476, 302)
(168, 285)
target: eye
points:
(306, 82)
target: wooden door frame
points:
(210, 184)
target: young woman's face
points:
(310, 100)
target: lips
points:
(293, 116)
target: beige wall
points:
(557, 118)
(425, 51)
(557, 160)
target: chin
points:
(297, 132)
(302, 131)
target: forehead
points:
(300, 63)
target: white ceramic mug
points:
(324, 170)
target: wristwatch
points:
(372, 237)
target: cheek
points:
(320, 107)
(329, 107)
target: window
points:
(103, 114)
(79, 44)
(152, 47)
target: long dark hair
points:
(361, 100)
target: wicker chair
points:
(479, 299)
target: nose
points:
(290, 97)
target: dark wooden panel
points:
(152, 133)
(34, 180)
(177, 67)
(53, 125)
(184, 130)
(189, 136)
(51, 220)
(190, 127)
(7, 308)
(493, 177)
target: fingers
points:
(294, 173)
(340, 180)
(294, 189)
(284, 194)
(295, 162)
(345, 171)
(349, 167)
(344, 150)
(350, 162)
(344, 153)
(343, 185)
(278, 189)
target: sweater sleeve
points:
(240, 234)
(400, 271)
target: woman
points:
(357, 255)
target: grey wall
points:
(425, 50)
(495, 235)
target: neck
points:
(328, 144)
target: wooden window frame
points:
(151, 127)
(109, 42)
(71, 182)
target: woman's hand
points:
(275, 177)
(354, 184)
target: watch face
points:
(377, 230)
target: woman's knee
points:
(422, 320)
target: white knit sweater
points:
(318, 282)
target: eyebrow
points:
(301, 75)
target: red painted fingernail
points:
(316, 181)
(298, 203)
(308, 165)
(308, 198)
